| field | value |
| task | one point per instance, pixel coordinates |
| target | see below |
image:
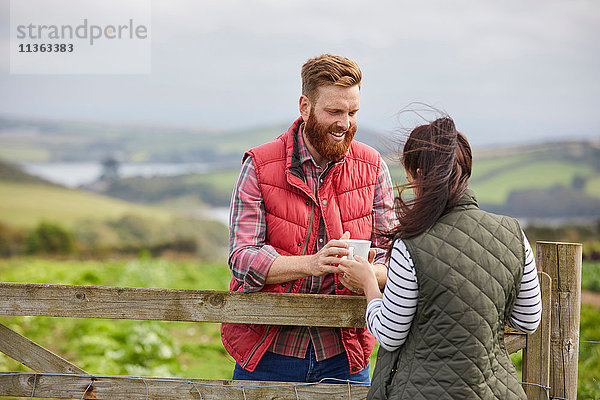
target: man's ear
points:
(304, 106)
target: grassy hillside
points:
(24, 140)
(494, 178)
(35, 214)
(593, 187)
(25, 204)
(11, 173)
(550, 180)
(508, 180)
(495, 189)
(27, 200)
(192, 190)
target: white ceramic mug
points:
(358, 247)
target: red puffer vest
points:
(344, 201)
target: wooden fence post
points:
(536, 354)
(562, 261)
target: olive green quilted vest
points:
(469, 266)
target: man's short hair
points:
(328, 70)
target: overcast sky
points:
(506, 71)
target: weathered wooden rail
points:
(55, 377)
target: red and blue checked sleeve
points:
(249, 257)
(383, 211)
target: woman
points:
(457, 275)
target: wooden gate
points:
(55, 377)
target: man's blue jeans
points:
(275, 367)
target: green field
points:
(149, 348)
(117, 347)
(187, 350)
(541, 174)
(593, 187)
(19, 152)
(496, 176)
(494, 179)
(489, 165)
(23, 140)
(221, 180)
(25, 205)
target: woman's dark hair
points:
(439, 160)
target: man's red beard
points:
(318, 136)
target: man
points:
(294, 199)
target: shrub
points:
(12, 241)
(590, 276)
(132, 234)
(50, 238)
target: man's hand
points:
(327, 259)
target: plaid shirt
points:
(250, 258)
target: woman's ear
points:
(410, 177)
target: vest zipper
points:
(257, 346)
(310, 224)
(263, 338)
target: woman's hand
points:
(359, 273)
(352, 286)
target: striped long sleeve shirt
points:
(389, 318)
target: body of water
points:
(219, 214)
(77, 173)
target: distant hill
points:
(26, 200)
(545, 180)
(51, 141)
(12, 173)
(560, 180)
(100, 224)
(23, 140)
(188, 191)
